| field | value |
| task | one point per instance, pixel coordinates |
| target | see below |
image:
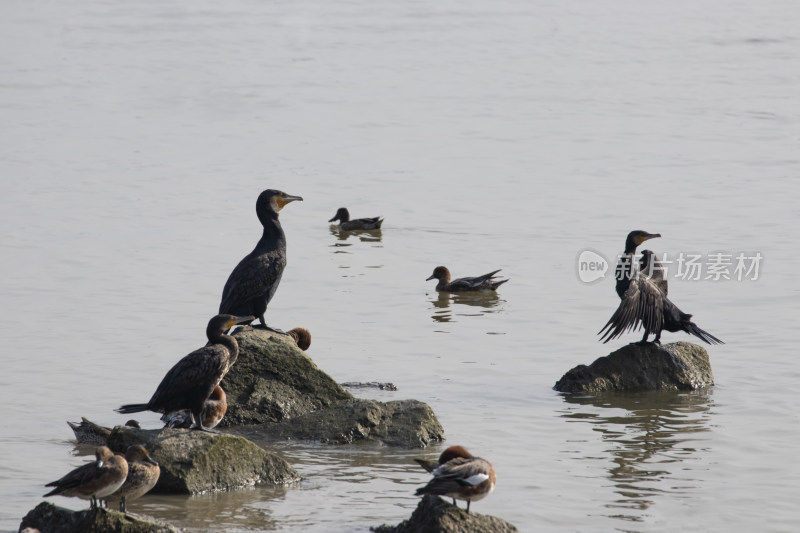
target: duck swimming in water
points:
(253, 282)
(93, 481)
(459, 475)
(643, 298)
(478, 283)
(191, 381)
(343, 216)
(214, 409)
(87, 432)
(143, 474)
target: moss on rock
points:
(193, 462)
(50, 518)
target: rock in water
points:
(435, 515)
(53, 519)
(193, 462)
(669, 367)
(406, 423)
(276, 390)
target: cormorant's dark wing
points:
(641, 305)
(650, 265)
(256, 276)
(203, 367)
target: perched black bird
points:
(643, 293)
(253, 282)
(343, 216)
(477, 283)
(191, 381)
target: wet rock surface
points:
(277, 391)
(194, 462)
(406, 423)
(678, 366)
(49, 518)
(435, 515)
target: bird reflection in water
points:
(488, 300)
(366, 235)
(650, 436)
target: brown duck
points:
(459, 475)
(143, 474)
(95, 480)
(343, 216)
(214, 409)
(478, 283)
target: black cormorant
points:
(343, 216)
(644, 301)
(191, 381)
(478, 283)
(253, 282)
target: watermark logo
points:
(591, 266)
(715, 266)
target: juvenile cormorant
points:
(93, 481)
(478, 283)
(459, 475)
(143, 474)
(343, 216)
(213, 411)
(644, 301)
(190, 382)
(253, 282)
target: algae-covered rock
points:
(273, 380)
(407, 423)
(635, 367)
(277, 391)
(193, 461)
(49, 518)
(434, 515)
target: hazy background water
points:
(136, 137)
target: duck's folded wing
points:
(478, 281)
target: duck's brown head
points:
(441, 273)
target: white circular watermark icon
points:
(591, 266)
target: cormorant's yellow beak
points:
(648, 237)
(283, 200)
(239, 320)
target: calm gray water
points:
(136, 137)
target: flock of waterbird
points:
(190, 396)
